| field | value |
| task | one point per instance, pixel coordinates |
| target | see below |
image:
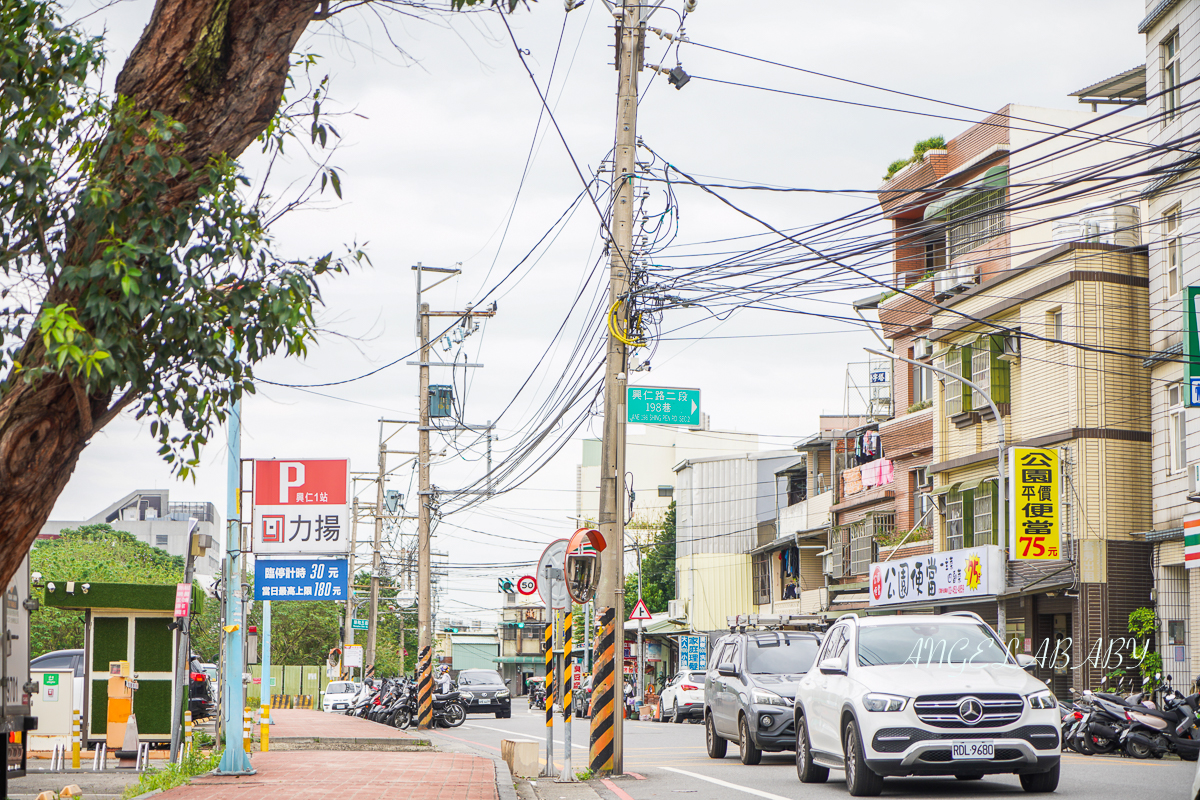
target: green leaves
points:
(166, 303)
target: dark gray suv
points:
(750, 689)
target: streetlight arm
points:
(1002, 488)
(948, 374)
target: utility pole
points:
(425, 493)
(348, 632)
(376, 556)
(607, 740)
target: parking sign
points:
(300, 507)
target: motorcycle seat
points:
(448, 696)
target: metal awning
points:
(950, 487)
(519, 659)
(789, 466)
(995, 178)
(1125, 88)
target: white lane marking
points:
(521, 735)
(727, 784)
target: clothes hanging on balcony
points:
(851, 481)
(789, 591)
(868, 446)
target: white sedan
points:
(339, 695)
(682, 697)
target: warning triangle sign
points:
(640, 611)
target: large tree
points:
(131, 269)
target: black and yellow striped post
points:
(604, 695)
(568, 705)
(549, 771)
(425, 689)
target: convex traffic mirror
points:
(582, 568)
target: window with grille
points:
(981, 372)
(974, 220)
(762, 578)
(952, 362)
(862, 546)
(954, 521)
(510, 632)
(160, 540)
(838, 560)
(1172, 250)
(982, 533)
(1170, 77)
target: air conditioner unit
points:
(676, 609)
(1012, 347)
(922, 348)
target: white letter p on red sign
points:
(286, 470)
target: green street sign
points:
(1191, 345)
(657, 405)
(358, 625)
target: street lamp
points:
(1000, 451)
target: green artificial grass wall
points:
(152, 705)
(151, 645)
(110, 642)
(100, 707)
(147, 597)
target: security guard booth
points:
(126, 622)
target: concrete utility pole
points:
(424, 579)
(425, 492)
(610, 661)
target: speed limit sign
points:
(527, 584)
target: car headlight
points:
(883, 702)
(466, 695)
(502, 693)
(1042, 699)
(762, 697)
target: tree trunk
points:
(219, 67)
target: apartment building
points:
(1172, 31)
(987, 240)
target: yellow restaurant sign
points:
(1034, 490)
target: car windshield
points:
(780, 655)
(925, 643)
(479, 679)
(339, 688)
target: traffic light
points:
(507, 586)
(520, 624)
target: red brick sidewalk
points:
(321, 774)
(299, 723)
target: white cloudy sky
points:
(433, 153)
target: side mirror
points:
(727, 669)
(1026, 662)
(507, 681)
(832, 666)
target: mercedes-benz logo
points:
(970, 710)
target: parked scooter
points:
(449, 710)
(1152, 733)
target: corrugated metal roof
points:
(1125, 87)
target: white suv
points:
(923, 695)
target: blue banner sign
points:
(301, 579)
(693, 652)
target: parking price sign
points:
(657, 405)
(301, 579)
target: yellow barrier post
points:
(187, 732)
(265, 723)
(247, 736)
(75, 736)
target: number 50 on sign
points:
(1034, 502)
